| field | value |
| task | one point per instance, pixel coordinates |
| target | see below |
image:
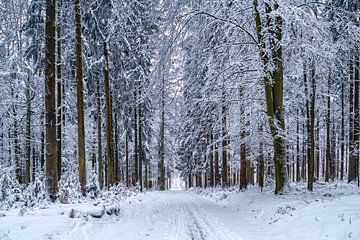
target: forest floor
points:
(331, 212)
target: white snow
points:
(330, 213)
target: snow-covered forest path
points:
(163, 215)
(158, 215)
(330, 213)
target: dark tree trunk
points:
(161, 162)
(50, 108)
(99, 132)
(108, 117)
(127, 160)
(80, 99)
(59, 94)
(354, 119)
(211, 160)
(224, 166)
(328, 136)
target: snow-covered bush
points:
(35, 193)
(117, 193)
(92, 187)
(10, 189)
(69, 189)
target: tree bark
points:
(161, 163)
(354, 119)
(127, 160)
(99, 138)
(59, 94)
(50, 108)
(224, 165)
(108, 117)
(80, 100)
(212, 159)
(273, 83)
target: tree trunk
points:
(273, 82)
(224, 166)
(80, 99)
(298, 175)
(99, 132)
(127, 160)
(310, 115)
(328, 136)
(140, 146)
(212, 159)
(161, 163)
(354, 119)
(108, 117)
(28, 133)
(50, 108)
(59, 94)
(116, 151)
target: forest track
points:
(168, 215)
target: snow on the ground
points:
(331, 212)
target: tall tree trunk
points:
(140, 161)
(212, 159)
(99, 132)
(136, 141)
(42, 141)
(342, 150)
(310, 110)
(244, 164)
(59, 94)
(50, 108)
(328, 136)
(261, 165)
(354, 119)
(127, 159)
(80, 99)
(116, 151)
(108, 117)
(298, 175)
(273, 82)
(217, 170)
(161, 163)
(28, 133)
(224, 166)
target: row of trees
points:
(99, 62)
(271, 93)
(228, 92)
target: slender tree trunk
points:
(108, 117)
(99, 138)
(80, 99)
(261, 165)
(217, 171)
(354, 118)
(310, 110)
(140, 161)
(34, 157)
(136, 141)
(116, 152)
(59, 94)
(224, 167)
(127, 159)
(42, 144)
(50, 108)
(298, 177)
(243, 164)
(328, 136)
(212, 159)
(28, 134)
(161, 163)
